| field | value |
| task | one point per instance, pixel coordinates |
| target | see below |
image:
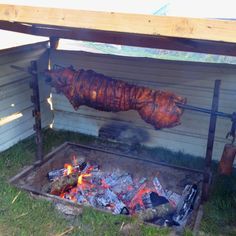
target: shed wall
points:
(192, 80)
(15, 93)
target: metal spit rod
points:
(204, 110)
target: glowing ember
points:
(116, 191)
(138, 198)
(104, 184)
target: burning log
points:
(68, 169)
(64, 183)
(98, 91)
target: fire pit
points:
(121, 184)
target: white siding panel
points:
(192, 80)
(15, 92)
(21, 125)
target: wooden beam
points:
(180, 27)
(180, 44)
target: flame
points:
(80, 178)
(69, 169)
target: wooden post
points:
(227, 160)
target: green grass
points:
(27, 216)
(220, 211)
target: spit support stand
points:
(35, 99)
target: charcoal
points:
(129, 195)
(124, 211)
(147, 200)
(166, 221)
(138, 208)
(185, 205)
(173, 197)
(142, 180)
(119, 207)
(92, 200)
(170, 223)
(122, 184)
(109, 198)
(159, 189)
(113, 178)
(86, 167)
(95, 169)
(113, 191)
(83, 166)
(54, 174)
(81, 199)
(78, 161)
(118, 182)
(96, 180)
(157, 200)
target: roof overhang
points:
(173, 33)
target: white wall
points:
(15, 93)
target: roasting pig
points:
(87, 87)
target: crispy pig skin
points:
(86, 87)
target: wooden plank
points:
(140, 40)
(206, 29)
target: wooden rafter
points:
(174, 33)
(180, 44)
